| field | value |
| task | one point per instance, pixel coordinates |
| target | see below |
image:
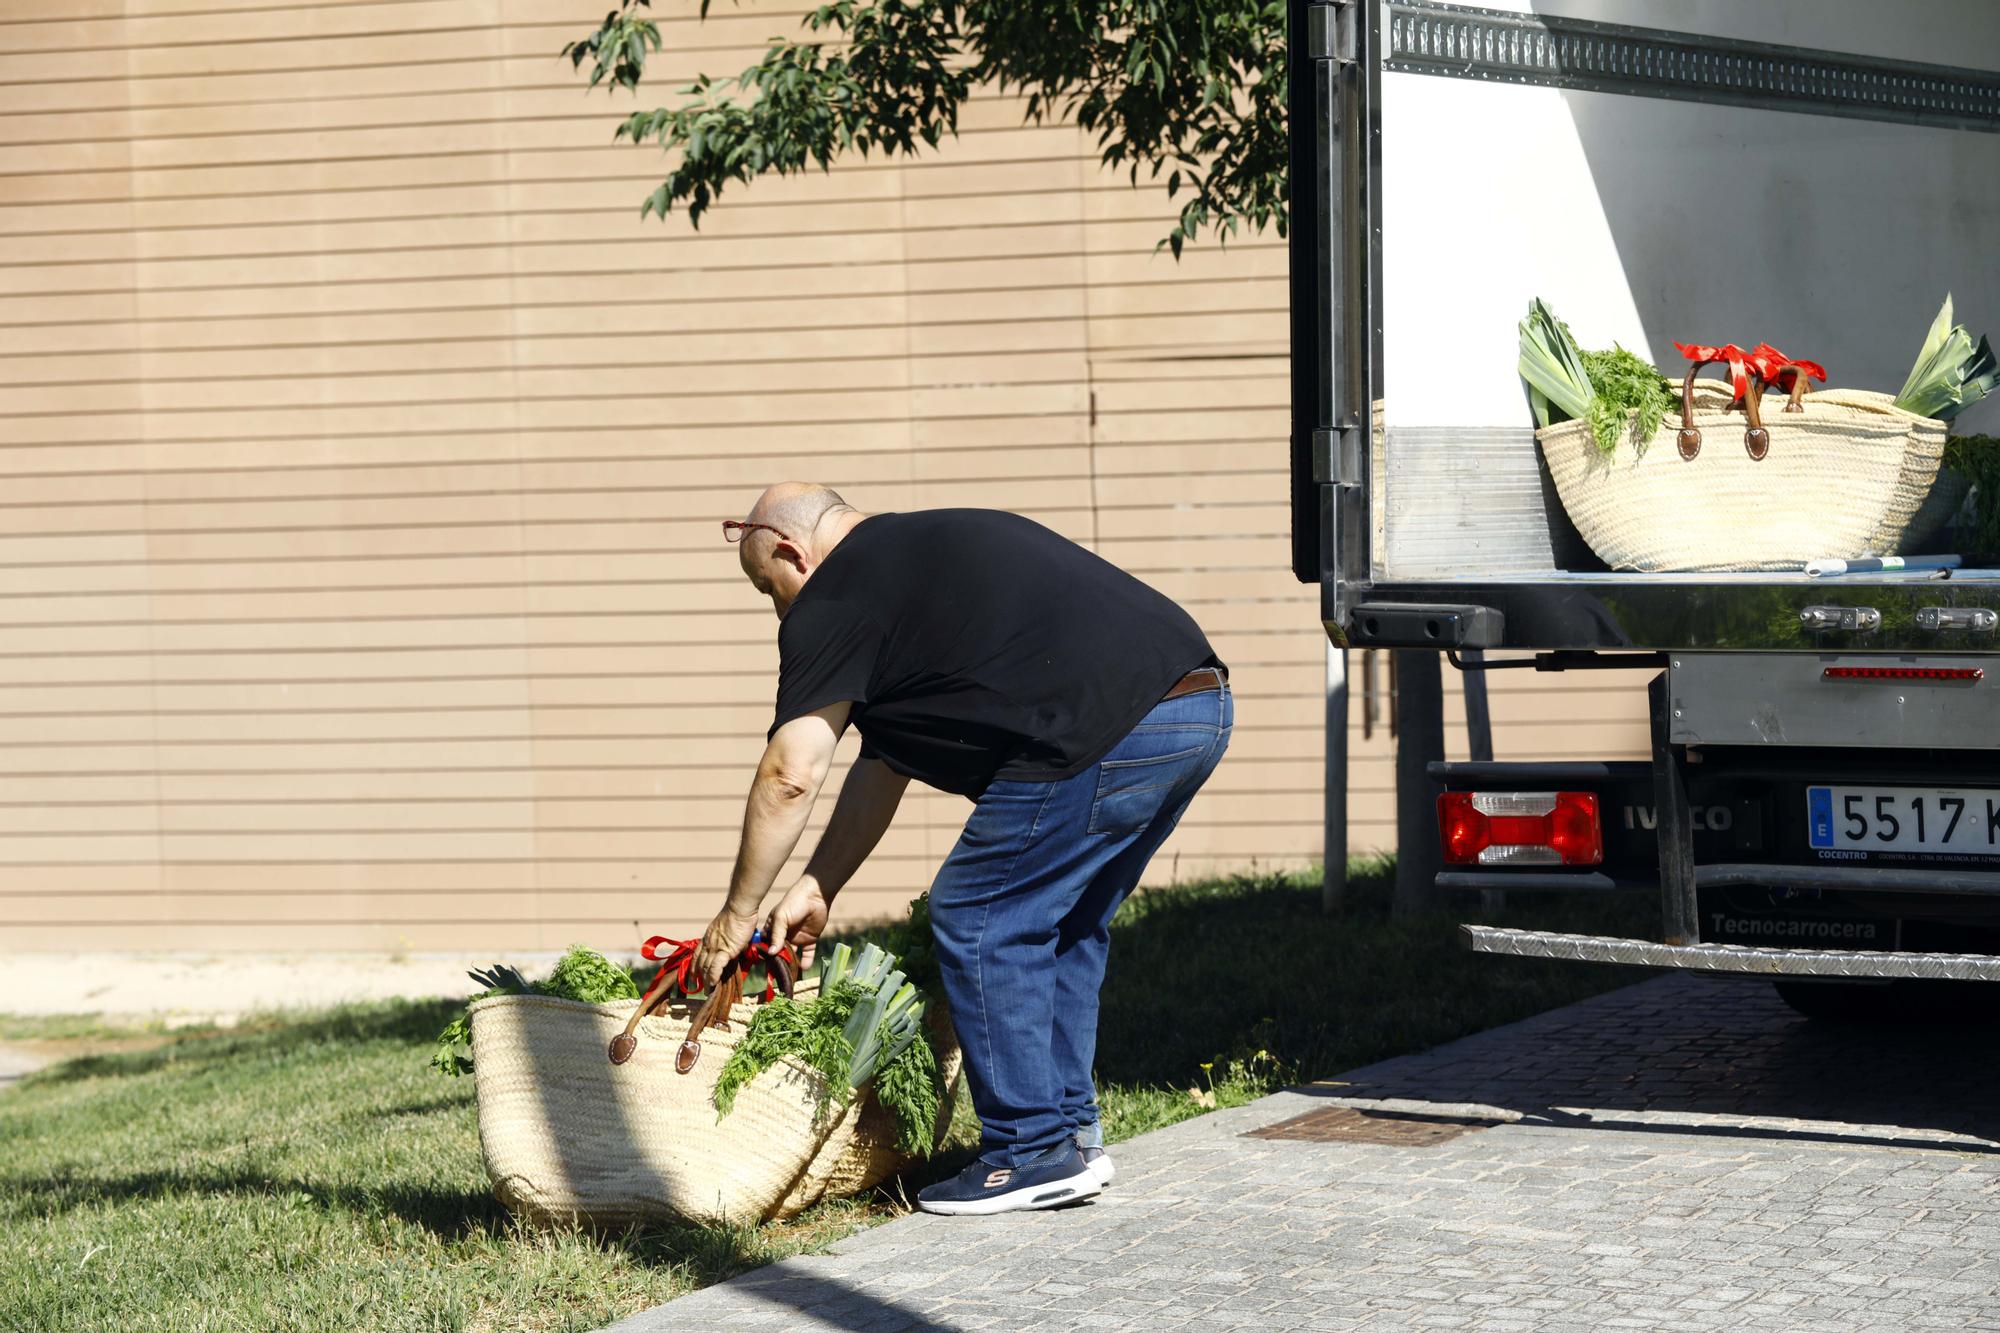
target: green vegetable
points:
(586, 975)
(1952, 371)
(1624, 384)
(887, 1017)
(1559, 386)
(814, 1031)
(1604, 388)
(866, 1024)
(916, 950)
(581, 974)
(1978, 458)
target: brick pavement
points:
(1684, 1154)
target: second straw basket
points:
(1767, 485)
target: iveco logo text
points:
(1713, 818)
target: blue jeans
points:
(1022, 909)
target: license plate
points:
(1904, 819)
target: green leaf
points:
(1952, 370)
(1197, 86)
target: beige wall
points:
(360, 584)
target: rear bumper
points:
(1853, 879)
(1724, 835)
(1732, 958)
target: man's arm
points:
(789, 776)
(868, 801)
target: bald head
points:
(812, 519)
(796, 508)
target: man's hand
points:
(799, 918)
(726, 936)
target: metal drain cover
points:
(1353, 1124)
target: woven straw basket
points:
(1940, 507)
(569, 1136)
(1836, 474)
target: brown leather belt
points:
(1195, 681)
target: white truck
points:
(1822, 804)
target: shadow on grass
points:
(451, 1214)
(709, 1253)
(268, 1036)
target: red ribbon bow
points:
(1770, 365)
(1781, 370)
(681, 963)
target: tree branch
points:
(1190, 88)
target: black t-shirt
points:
(976, 644)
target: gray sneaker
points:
(1098, 1160)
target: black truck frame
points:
(1754, 704)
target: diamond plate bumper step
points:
(1735, 958)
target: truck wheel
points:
(1893, 1001)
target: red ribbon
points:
(1770, 365)
(1782, 370)
(1738, 359)
(680, 962)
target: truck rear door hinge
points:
(1337, 456)
(1330, 32)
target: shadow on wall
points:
(1833, 238)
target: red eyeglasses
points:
(734, 530)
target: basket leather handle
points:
(722, 998)
(713, 1012)
(1798, 390)
(626, 1042)
(1756, 439)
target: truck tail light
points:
(1530, 828)
(1903, 673)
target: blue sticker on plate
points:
(1819, 811)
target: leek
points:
(1952, 371)
(1552, 365)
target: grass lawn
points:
(311, 1172)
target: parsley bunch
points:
(582, 974)
(1622, 384)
